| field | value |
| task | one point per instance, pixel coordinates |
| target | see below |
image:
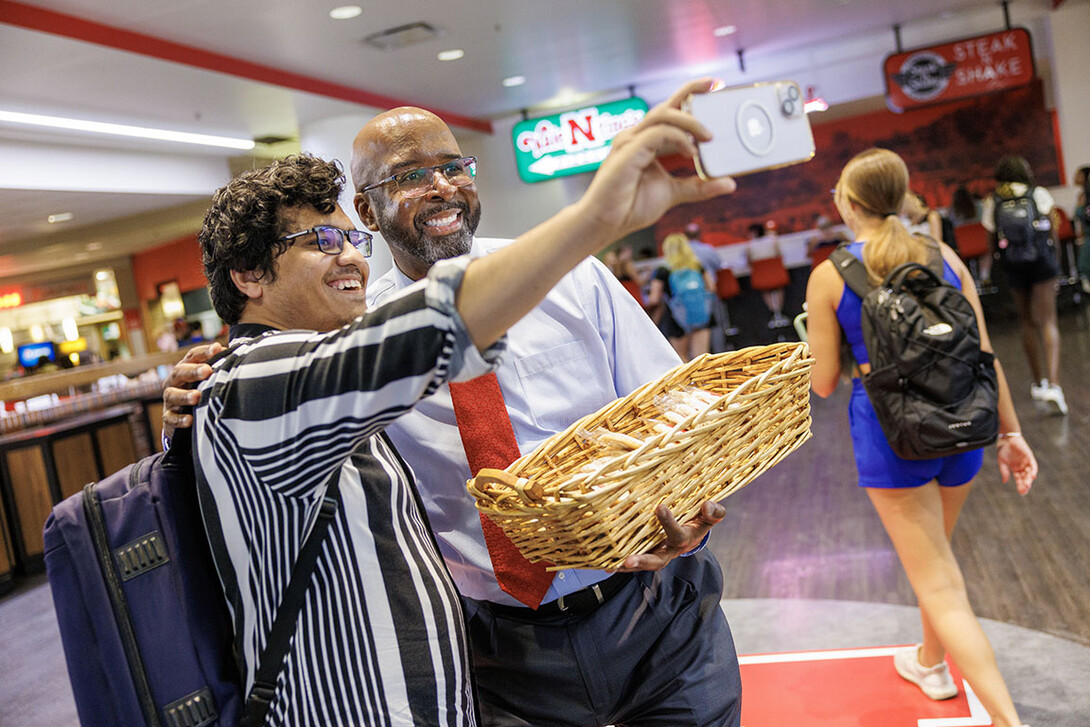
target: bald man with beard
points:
(645, 646)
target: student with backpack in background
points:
(1019, 217)
(918, 500)
(686, 288)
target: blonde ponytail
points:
(876, 180)
(893, 245)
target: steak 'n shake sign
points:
(573, 142)
(964, 68)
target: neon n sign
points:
(572, 142)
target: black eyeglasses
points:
(330, 240)
(418, 182)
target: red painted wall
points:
(177, 260)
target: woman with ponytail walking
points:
(918, 501)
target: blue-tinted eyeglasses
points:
(330, 240)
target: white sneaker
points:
(1054, 397)
(1037, 391)
(934, 681)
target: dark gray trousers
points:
(657, 654)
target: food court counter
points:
(41, 466)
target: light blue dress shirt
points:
(588, 343)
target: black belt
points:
(574, 604)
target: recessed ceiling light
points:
(514, 81)
(345, 12)
(451, 55)
(723, 30)
(140, 132)
(61, 217)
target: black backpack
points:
(1022, 235)
(934, 390)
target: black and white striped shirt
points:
(380, 639)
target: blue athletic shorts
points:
(879, 467)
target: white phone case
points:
(755, 127)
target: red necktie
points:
(489, 441)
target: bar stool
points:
(769, 276)
(1066, 254)
(821, 253)
(726, 287)
(973, 245)
(634, 289)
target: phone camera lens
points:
(788, 107)
(793, 93)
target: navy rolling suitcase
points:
(146, 632)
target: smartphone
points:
(756, 127)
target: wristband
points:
(1008, 435)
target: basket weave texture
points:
(586, 498)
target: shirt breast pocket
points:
(561, 384)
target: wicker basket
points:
(585, 498)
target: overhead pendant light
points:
(139, 132)
(813, 102)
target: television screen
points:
(196, 301)
(31, 353)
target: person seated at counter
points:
(919, 219)
(767, 272)
(821, 246)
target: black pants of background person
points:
(658, 653)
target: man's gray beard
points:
(432, 251)
(426, 249)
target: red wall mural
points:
(944, 146)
